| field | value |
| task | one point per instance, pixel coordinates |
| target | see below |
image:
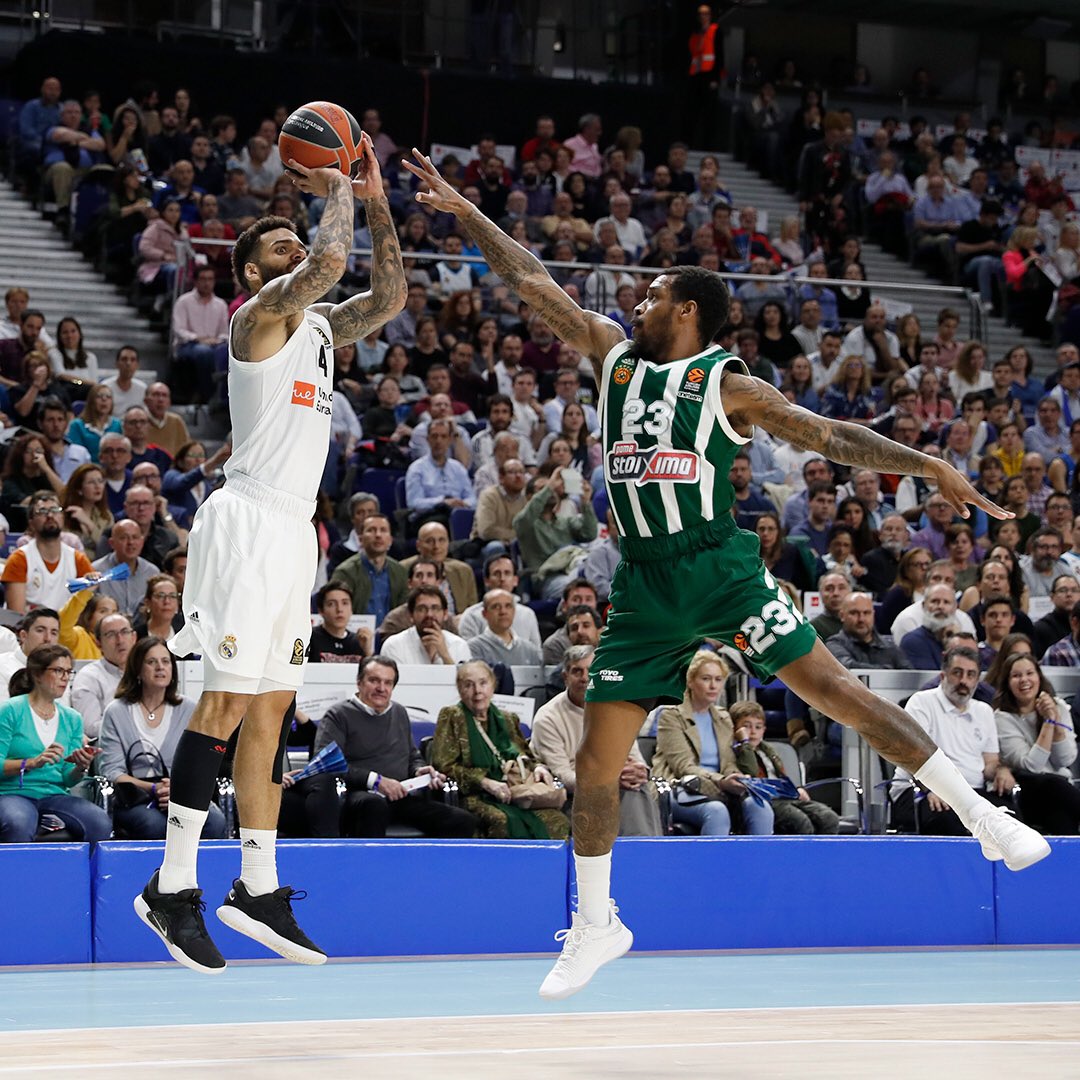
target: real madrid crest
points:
(227, 648)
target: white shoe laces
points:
(573, 937)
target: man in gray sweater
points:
(375, 736)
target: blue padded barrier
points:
(445, 896)
(1040, 905)
(46, 916)
(767, 892)
(460, 897)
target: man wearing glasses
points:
(140, 506)
(36, 575)
(95, 684)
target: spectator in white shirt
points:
(126, 389)
(200, 323)
(809, 332)
(602, 286)
(967, 734)
(872, 340)
(823, 362)
(453, 275)
(567, 385)
(94, 686)
(426, 642)
(630, 231)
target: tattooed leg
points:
(822, 681)
(610, 730)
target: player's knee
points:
(219, 714)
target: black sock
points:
(286, 727)
(195, 769)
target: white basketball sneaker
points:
(1002, 836)
(585, 949)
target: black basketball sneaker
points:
(177, 919)
(269, 920)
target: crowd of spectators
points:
(464, 517)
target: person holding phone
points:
(557, 520)
(41, 747)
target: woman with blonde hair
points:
(847, 397)
(474, 741)
(86, 507)
(1029, 291)
(788, 242)
(95, 421)
(694, 748)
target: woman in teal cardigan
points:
(41, 746)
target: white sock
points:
(594, 888)
(258, 860)
(182, 832)
(943, 778)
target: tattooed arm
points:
(591, 334)
(322, 269)
(750, 402)
(361, 314)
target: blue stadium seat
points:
(461, 522)
(381, 483)
(422, 729)
(770, 696)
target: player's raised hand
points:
(439, 193)
(317, 182)
(368, 183)
(958, 491)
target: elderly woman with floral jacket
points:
(463, 754)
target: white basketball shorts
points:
(252, 558)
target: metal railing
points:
(978, 325)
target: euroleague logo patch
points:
(227, 649)
(303, 393)
(297, 652)
(691, 389)
(740, 642)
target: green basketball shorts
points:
(670, 592)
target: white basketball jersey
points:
(280, 410)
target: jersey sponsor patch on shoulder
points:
(628, 463)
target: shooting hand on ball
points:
(368, 183)
(439, 193)
(317, 182)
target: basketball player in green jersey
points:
(675, 408)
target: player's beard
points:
(653, 344)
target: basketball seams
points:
(321, 135)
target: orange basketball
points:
(321, 135)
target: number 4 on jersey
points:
(322, 359)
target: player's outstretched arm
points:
(322, 269)
(591, 334)
(361, 314)
(751, 402)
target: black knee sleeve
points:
(286, 727)
(195, 769)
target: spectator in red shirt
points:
(544, 139)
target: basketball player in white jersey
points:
(252, 555)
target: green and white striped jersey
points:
(668, 445)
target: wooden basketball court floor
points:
(924, 1014)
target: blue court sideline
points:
(67, 999)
